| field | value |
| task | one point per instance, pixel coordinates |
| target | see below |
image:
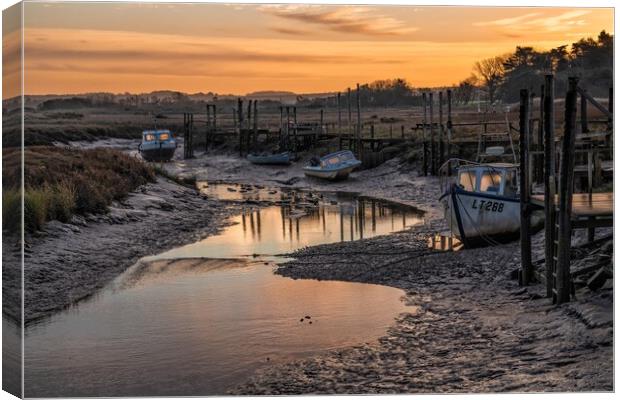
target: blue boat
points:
(270, 159)
(333, 166)
(157, 145)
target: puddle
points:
(444, 243)
(200, 319)
(296, 220)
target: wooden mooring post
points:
(339, 121)
(248, 131)
(449, 124)
(296, 144)
(188, 145)
(583, 113)
(358, 130)
(255, 126)
(549, 180)
(527, 272)
(441, 131)
(239, 124)
(567, 164)
(432, 136)
(424, 142)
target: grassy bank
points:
(60, 182)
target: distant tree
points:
(490, 73)
(464, 92)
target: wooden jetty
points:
(564, 209)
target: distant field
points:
(45, 127)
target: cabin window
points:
(511, 186)
(467, 180)
(149, 137)
(333, 161)
(164, 136)
(490, 182)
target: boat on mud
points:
(157, 145)
(270, 159)
(333, 166)
(481, 201)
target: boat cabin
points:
(495, 179)
(335, 159)
(161, 135)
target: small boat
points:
(157, 145)
(333, 166)
(270, 159)
(481, 201)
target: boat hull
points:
(474, 216)
(331, 174)
(165, 152)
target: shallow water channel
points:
(199, 319)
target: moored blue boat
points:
(270, 159)
(157, 145)
(333, 166)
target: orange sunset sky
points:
(87, 47)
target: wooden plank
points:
(595, 103)
(584, 204)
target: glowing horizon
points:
(237, 49)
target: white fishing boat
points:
(481, 201)
(333, 166)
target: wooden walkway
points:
(584, 205)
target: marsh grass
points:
(60, 182)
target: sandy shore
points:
(68, 262)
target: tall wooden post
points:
(288, 127)
(584, 113)
(441, 131)
(358, 130)
(240, 124)
(432, 136)
(320, 132)
(540, 160)
(214, 118)
(566, 194)
(350, 120)
(339, 115)
(255, 127)
(549, 180)
(449, 123)
(281, 129)
(248, 133)
(295, 147)
(208, 130)
(402, 131)
(610, 122)
(524, 138)
(424, 140)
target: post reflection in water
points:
(335, 217)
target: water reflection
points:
(201, 318)
(297, 220)
(444, 243)
(197, 327)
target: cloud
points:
(289, 31)
(360, 20)
(199, 54)
(538, 21)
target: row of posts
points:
(558, 224)
(436, 136)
